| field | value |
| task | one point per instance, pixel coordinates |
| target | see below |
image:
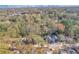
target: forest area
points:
(39, 30)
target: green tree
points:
(69, 23)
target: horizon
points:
(26, 6)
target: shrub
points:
(2, 34)
(3, 28)
(68, 22)
(68, 25)
(22, 28)
(37, 38)
(13, 19)
(4, 48)
(14, 34)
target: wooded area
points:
(39, 30)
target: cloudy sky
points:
(39, 2)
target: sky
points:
(39, 2)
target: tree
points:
(69, 23)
